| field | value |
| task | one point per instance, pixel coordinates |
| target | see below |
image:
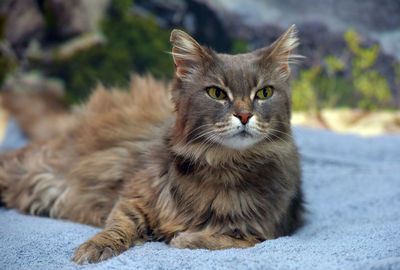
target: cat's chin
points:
(239, 141)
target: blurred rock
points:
(75, 17)
(48, 29)
(23, 22)
(209, 28)
(201, 19)
(365, 16)
(371, 15)
(48, 22)
(66, 49)
(33, 82)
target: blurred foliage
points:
(396, 68)
(133, 44)
(327, 86)
(334, 64)
(239, 46)
(137, 44)
(304, 89)
(367, 81)
(2, 26)
(6, 66)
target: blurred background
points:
(348, 82)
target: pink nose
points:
(244, 117)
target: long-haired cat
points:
(209, 164)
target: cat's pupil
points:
(265, 92)
(217, 93)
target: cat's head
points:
(234, 101)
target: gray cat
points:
(215, 168)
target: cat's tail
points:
(40, 114)
(3, 177)
(25, 173)
(29, 180)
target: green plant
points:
(318, 88)
(373, 87)
(2, 26)
(334, 64)
(326, 87)
(304, 89)
(6, 67)
(396, 68)
(239, 46)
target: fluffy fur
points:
(187, 172)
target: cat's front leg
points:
(125, 227)
(206, 240)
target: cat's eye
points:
(265, 92)
(216, 93)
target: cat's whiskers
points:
(261, 131)
(267, 134)
(187, 151)
(279, 121)
(286, 124)
(205, 132)
(268, 138)
(208, 142)
(219, 124)
(213, 137)
(285, 133)
(227, 131)
(191, 132)
(190, 151)
(220, 130)
(199, 150)
(272, 134)
(267, 126)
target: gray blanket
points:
(352, 188)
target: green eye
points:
(265, 92)
(216, 93)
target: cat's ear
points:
(186, 52)
(280, 53)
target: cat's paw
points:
(204, 240)
(184, 240)
(93, 252)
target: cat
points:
(210, 164)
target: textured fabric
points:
(352, 189)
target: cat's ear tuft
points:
(280, 53)
(186, 52)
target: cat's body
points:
(219, 169)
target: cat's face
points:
(235, 101)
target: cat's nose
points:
(243, 117)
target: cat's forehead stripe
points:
(240, 77)
(257, 85)
(225, 87)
